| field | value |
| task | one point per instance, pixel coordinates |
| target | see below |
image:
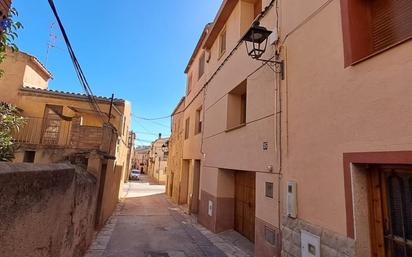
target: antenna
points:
(52, 41)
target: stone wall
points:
(46, 210)
(331, 243)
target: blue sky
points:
(136, 49)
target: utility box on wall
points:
(310, 244)
(292, 207)
(210, 209)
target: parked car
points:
(135, 175)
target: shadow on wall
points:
(46, 210)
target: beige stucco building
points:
(63, 126)
(229, 139)
(314, 161)
(158, 155)
(174, 188)
(345, 121)
(140, 159)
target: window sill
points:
(235, 127)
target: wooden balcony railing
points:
(62, 133)
(40, 131)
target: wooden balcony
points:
(61, 133)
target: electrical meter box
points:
(310, 244)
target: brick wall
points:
(85, 137)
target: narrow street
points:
(145, 224)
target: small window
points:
(189, 84)
(270, 236)
(187, 126)
(29, 156)
(371, 27)
(269, 189)
(201, 65)
(237, 106)
(222, 42)
(198, 127)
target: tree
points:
(8, 34)
(10, 122)
(10, 119)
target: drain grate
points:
(166, 254)
(156, 254)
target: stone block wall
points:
(46, 210)
(331, 243)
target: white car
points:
(135, 175)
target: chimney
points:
(160, 135)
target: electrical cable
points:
(151, 119)
(77, 67)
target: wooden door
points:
(390, 196)
(194, 208)
(245, 204)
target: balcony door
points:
(52, 123)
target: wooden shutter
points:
(391, 22)
(4, 8)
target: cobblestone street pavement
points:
(145, 224)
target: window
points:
(52, 124)
(201, 65)
(270, 236)
(29, 156)
(123, 125)
(222, 42)
(269, 189)
(237, 106)
(390, 199)
(187, 125)
(198, 127)
(371, 27)
(189, 84)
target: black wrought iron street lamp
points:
(256, 41)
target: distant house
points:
(158, 156)
(140, 159)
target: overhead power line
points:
(77, 67)
(151, 119)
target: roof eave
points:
(199, 46)
(178, 105)
(220, 20)
(48, 92)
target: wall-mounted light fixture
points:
(256, 41)
(165, 147)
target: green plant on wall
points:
(9, 29)
(10, 122)
(10, 119)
